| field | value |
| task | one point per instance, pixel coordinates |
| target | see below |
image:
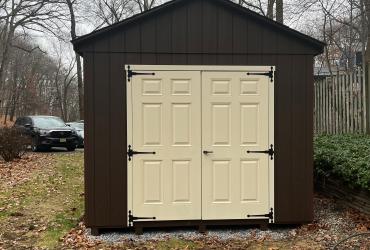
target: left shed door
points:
(166, 119)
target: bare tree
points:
(108, 12)
(71, 7)
(265, 8)
(145, 5)
(280, 11)
(24, 15)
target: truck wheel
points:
(34, 145)
(71, 148)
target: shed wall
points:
(197, 33)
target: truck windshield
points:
(48, 122)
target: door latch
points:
(270, 152)
(131, 153)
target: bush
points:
(346, 157)
(13, 144)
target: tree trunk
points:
(270, 9)
(5, 58)
(279, 11)
(78, 61)
(80, 87)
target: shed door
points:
(235, 119)
(166, 119)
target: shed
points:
(198, 112)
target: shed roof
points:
(310, 41)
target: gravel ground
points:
(332, 223)
(192, 234)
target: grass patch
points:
(48, 205)
(68, 204)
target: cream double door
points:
(200, 125)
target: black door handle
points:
(207, 152)
(131, 153)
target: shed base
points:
(200, 224)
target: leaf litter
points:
(332, 223)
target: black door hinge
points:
(132, 218)
(131, 153)
(270, 215)
(131, 73)
(270, 152)
(269, 74)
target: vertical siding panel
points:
(132, 38)
(210, 34)
(89, 154)
(102, 141)
(254, 43)
(164, 38)
(179, 35)
(148, 42)
(298, 131)
(117, 135)
(195, 27)
(195, 31)
(210, 28)
(240, 41)
(283, 137)
(308, 161)
(269, 41)
(225, 35)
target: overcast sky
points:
(306, 22)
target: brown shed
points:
(220, 100)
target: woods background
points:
(41, 75)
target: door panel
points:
(235, 119)
(167, 119)
(180, 114)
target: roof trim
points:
(319, 45)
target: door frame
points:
(201, 68)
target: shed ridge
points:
(227, 3)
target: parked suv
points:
(79, 127)
(47, 132)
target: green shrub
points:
(13, 144)
(345, 157)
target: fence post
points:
(367, 98)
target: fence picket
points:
(340, 104)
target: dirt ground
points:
(5, 124)
(41, 207)
(333, 223)
(41, 199)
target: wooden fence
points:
(340, 104)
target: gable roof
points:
(310, 41)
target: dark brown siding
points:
(196, 33)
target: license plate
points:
(63, 140)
